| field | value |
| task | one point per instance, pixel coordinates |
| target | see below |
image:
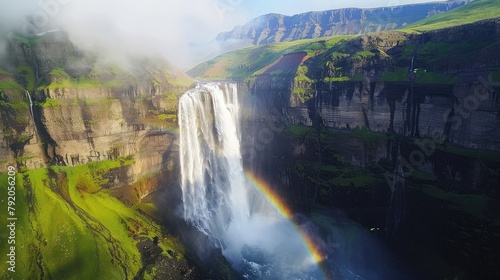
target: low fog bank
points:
(116, 29)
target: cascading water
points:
(31, 108)
(31, 102)
(219, 199)
(398, 200)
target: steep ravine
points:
(328, 136)
(450, 93)
(450, 193)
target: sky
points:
(291, 7)
(124, 26)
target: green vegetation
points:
(475, 205)
(29, 41)
(339, 55)
(112, 76)
(302, 74)
(433, 53)
(67, 224)
(107, 76)
(333, 59)
(23, 159)
(478, 154)
(104, 70)
(17, 105)
(336, 79)
(472, 12)
(363, 134)
(14, 110)
(422, 77)
(400, 75)
(49, 102)
(10, 85)
(302, 83)
(335, 176)
(58, 79)
(350, 177)
(355, 78)
(299, 130)
(495, 76)
(422, 176)
(94, 101)
(303, 94)
(59, 72)
(27, 75)
(363, 55)
(177, 80)
(167, 117)
(244, 63)
(23, 138)
(3, 72)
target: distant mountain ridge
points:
(273, 28)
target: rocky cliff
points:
(398, 130)
(273, 28)
(81, 131)
(83, 110)
(438, 84)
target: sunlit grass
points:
(72, 229)
(472, 12)
(244, 63)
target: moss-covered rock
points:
(66, 222)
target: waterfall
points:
(31, 102)
(397, 205)
(221, 201)
(31, 109)
(211, 166)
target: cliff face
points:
(80, 133)
(279, 28)
(83, 110)
(400, 131)
(450, 93)
(449, 193)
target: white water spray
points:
(31, 109)
(210, 158)
(31, 102)
(218, 200)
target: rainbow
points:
(278, 203)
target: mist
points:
(180, 30)
(117, 29)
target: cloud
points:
(114, 27)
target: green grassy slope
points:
(472, 12)
(68, 229)
(241, 64)
(62, 65)
(244, 63)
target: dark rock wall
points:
(464, 114)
